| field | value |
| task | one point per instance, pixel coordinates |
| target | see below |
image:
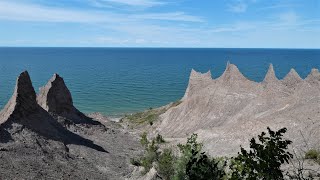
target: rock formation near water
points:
(56, 98)
(23, 109)
(34, 144)
(227, 111)
(22, 103)
(23, 112)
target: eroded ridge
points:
(230, 109)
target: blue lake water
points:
(116, 81)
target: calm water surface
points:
(116, 81)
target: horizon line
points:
(160, 47)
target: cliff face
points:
(197, 81)
(56, 98)
(22, 110)
(36, 143)
(22, 103)
(231, 109)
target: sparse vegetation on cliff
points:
(265, 158)
(313, 154)
(149, 116)
(262, 161)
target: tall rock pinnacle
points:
(270, 76)
(292, 79)
(23, 101)
(22, 112)
(56, 98)
(197, 80)
(197, 77)
(314, 77)
(23, 109)
(232, 75)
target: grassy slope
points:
(147, 117)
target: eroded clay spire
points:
(197, 80)
(23, 101)
(55, 97)
(232, 74)
(313, 77)
(270, 76)
(292, 78)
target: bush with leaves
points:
(159, 139)
(151, 156)
(263, 161)
(165, 165)
(201, 167)
(144, 140)
(186, 154)
(195, 164)
(312, 154)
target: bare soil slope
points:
(226, 112)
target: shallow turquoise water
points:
(116, 81)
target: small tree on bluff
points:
(263, 161)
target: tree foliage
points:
(166, 164)
(144, 140)
(151, 155)
(264, 159)
(185, 156)
(201, 167)
(159, 139)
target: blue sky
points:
(161, 23)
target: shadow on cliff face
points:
(56, 99)
(46, 126)
(23, 109)
(76, 118)
(5, 136)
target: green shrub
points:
(159, 139)
(186, 154)
(312, 154)
(148, 116)
(151, 156)
(144, 140)
(166, 164)
(263, 161)
(201, 167)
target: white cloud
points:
(31, 12)
(235, 27)
(37, 13)
(172, 16)
(144, 29)
(278, 6)
(141, 3)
